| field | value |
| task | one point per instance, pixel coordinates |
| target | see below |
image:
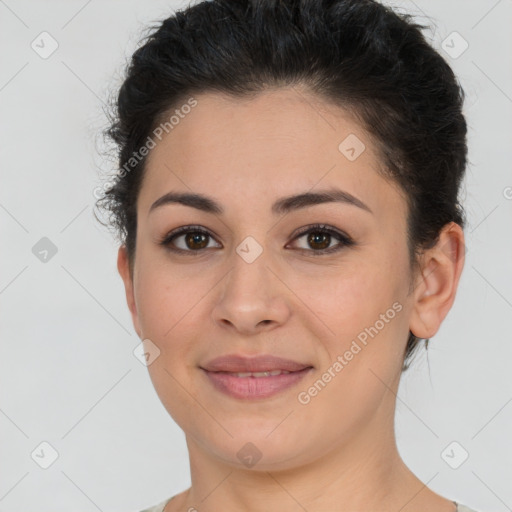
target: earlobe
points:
(436, 287)
(123, 267)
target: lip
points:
(263, 363)
(221, 374)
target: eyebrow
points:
(280, 207)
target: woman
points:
(287, 203)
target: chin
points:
(257, 451)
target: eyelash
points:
(345, 240)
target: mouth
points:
(254, 378)
(258, 375)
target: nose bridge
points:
(250, 294)
(250, 274)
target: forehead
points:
(280, 142)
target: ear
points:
(123, 266)
(436, 286)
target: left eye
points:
(320, 238)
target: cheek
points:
(165, 299)
(154, 305)
(365, 307)
(169, 303)
(166, 315)
(353, 298)
(366, 313)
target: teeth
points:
(260, 374)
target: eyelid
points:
(344, 239)
(320, 227)
(175, 233)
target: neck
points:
(365, 472)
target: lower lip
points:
(254, 387)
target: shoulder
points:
(159, 507)
(464, 508)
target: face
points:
(254, 275)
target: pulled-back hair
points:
(358, 54)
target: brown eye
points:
(319, 240)
(187, 239)
(195, 240)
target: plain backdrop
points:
(72, 389)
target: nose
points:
(251, 298)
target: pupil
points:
(313, 239)
(196, 238)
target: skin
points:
(337, 452)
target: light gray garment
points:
(160, 507)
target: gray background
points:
(69, 376)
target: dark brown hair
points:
(358, 54)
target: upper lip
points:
(262, 363)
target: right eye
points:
(194, 239)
